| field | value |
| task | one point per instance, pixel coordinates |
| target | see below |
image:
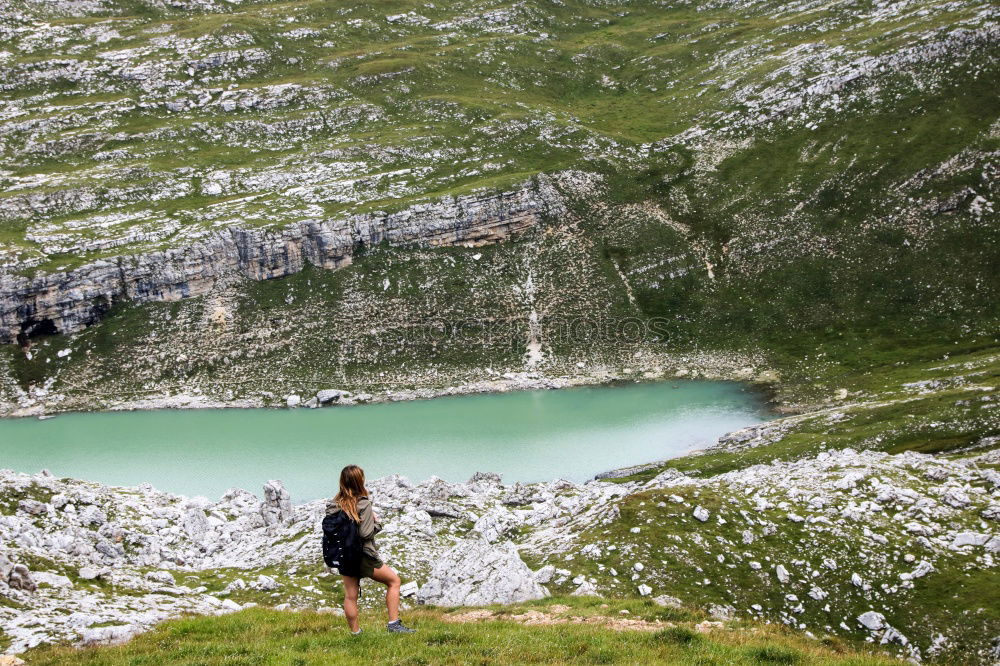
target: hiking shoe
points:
(398, 627)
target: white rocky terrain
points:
(844, 535)
(162, 159)
(262, 204)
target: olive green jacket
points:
(367, 528)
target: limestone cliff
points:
(70, 301)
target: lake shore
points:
(528, 436)
(39, 401)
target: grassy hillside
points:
(763, 179)
(798, 195)
(558, 631)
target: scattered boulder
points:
(163, 577)
(330, 396)
(545, 575)
(922, 569)
(107, 551)
(872, 621)
(817, 593)
(519, 495)
(408, 589)
(277, 506)
(194, 523)
(88, 573)
(667, 477)
(265, 584)
(720, 612)
(701, 513)
(495, 524)
(476, 573)
(956, 498)
(485, 481)
(32, 507)
(412, 521)
(667, 601)
(963, 539)
(20, 579)
(6, 566)
(235, 585)
(52, 579)
(92, 515)
(327, 610)
(113, 635)
(442, 509)
(707, 626)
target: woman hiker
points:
(353, 500)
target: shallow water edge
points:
(526, 436)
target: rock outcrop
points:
(893, 518)
(69, 301)
(476, 573)
(277, 506)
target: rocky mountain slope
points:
(256, 203)
(739, 171)
(845, 544)
(822, 521)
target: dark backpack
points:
(341, 544)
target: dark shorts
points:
(368, 566)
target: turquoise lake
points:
(525, 436)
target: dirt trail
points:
(558, 616)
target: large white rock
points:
(495, 524)
(52, 579)
(872, 621)
(265, 583)
(412, 522)
(476, 573)
(194, 523)
(277, 506)
(119, 633)
(327, 396)
(963, 539)
(545, 574)
(6, 566)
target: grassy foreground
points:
(563, 630)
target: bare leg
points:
(352, 586)
(385, 575)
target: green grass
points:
(33, 491)
(261, 636)
(880, 412)
(660, 58)
(680, 557)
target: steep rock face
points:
(70, 301)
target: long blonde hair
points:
(352, 487)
